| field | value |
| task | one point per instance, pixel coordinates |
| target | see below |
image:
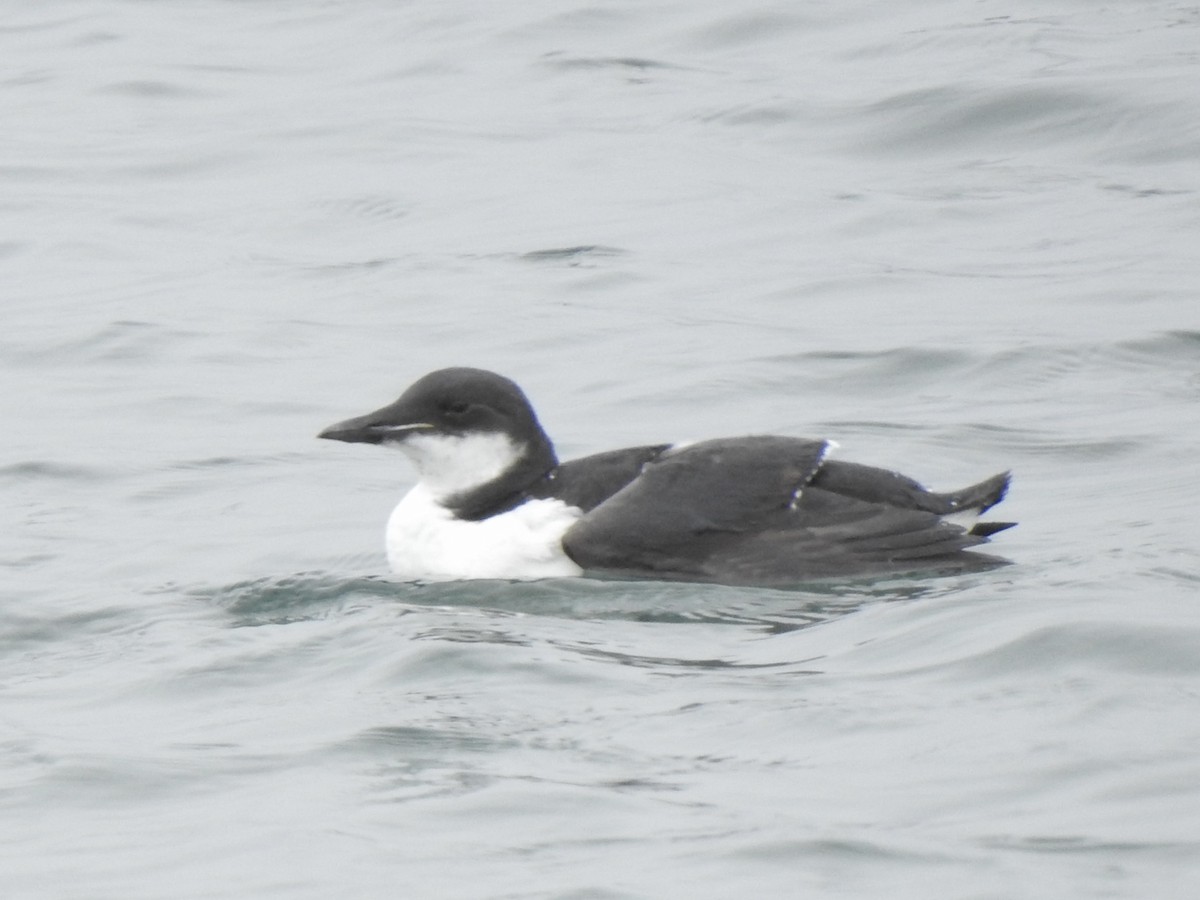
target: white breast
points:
(426, 541)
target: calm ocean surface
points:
(956, 237)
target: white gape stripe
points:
(404, 429)
(427, 541)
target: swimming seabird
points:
(493, 501)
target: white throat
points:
(452, 464)
(426, 540)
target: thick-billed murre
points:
(493, 501)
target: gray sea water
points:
(954, 236)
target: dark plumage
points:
(760, 510)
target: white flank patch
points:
(964, 518)
(427, 541)
(450, 464)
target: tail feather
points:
(982, 496)
(987, 529)
(977, 499)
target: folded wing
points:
(772, 510)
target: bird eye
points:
(456, 407)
